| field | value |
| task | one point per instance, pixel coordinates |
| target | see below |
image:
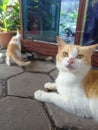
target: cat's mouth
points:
(70, 67)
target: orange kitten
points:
(14, 51)
(76, 83)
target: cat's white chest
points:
(68, 83)
(70, 87)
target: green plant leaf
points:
(9, 19)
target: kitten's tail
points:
(19, 62)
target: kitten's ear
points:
(18, 31)
(60, 42)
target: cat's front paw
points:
(47, 85)
(39, 95)
(50, 86)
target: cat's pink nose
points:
(71, 61)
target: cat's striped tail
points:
(19, 62)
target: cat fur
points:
(76, 83)
(14, 51)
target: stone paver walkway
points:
(20, 111)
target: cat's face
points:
(73, 58)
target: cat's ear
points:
(60, 42)
(92, 48)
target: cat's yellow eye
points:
(65, 54)
(80, 56)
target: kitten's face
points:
(19, 37)
(73, 58)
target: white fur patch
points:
(73, 53)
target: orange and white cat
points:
(76, 83)
(14, 51)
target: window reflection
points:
(45, 19)
(90, 34)
(68, 19)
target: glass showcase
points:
(45, 19)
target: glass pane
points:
(68, 19)
(45, 19)
(90, 34)
(41, 19)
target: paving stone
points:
(40, 66)
(54, 74)
(22, 114)
(1, 90)
(9, 71)
(1, 60)
(66, 120)
(27, 83)
(3, 51)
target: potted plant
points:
(9, 21)
(14, 17)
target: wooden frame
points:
(40, 47)
(80, 20)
